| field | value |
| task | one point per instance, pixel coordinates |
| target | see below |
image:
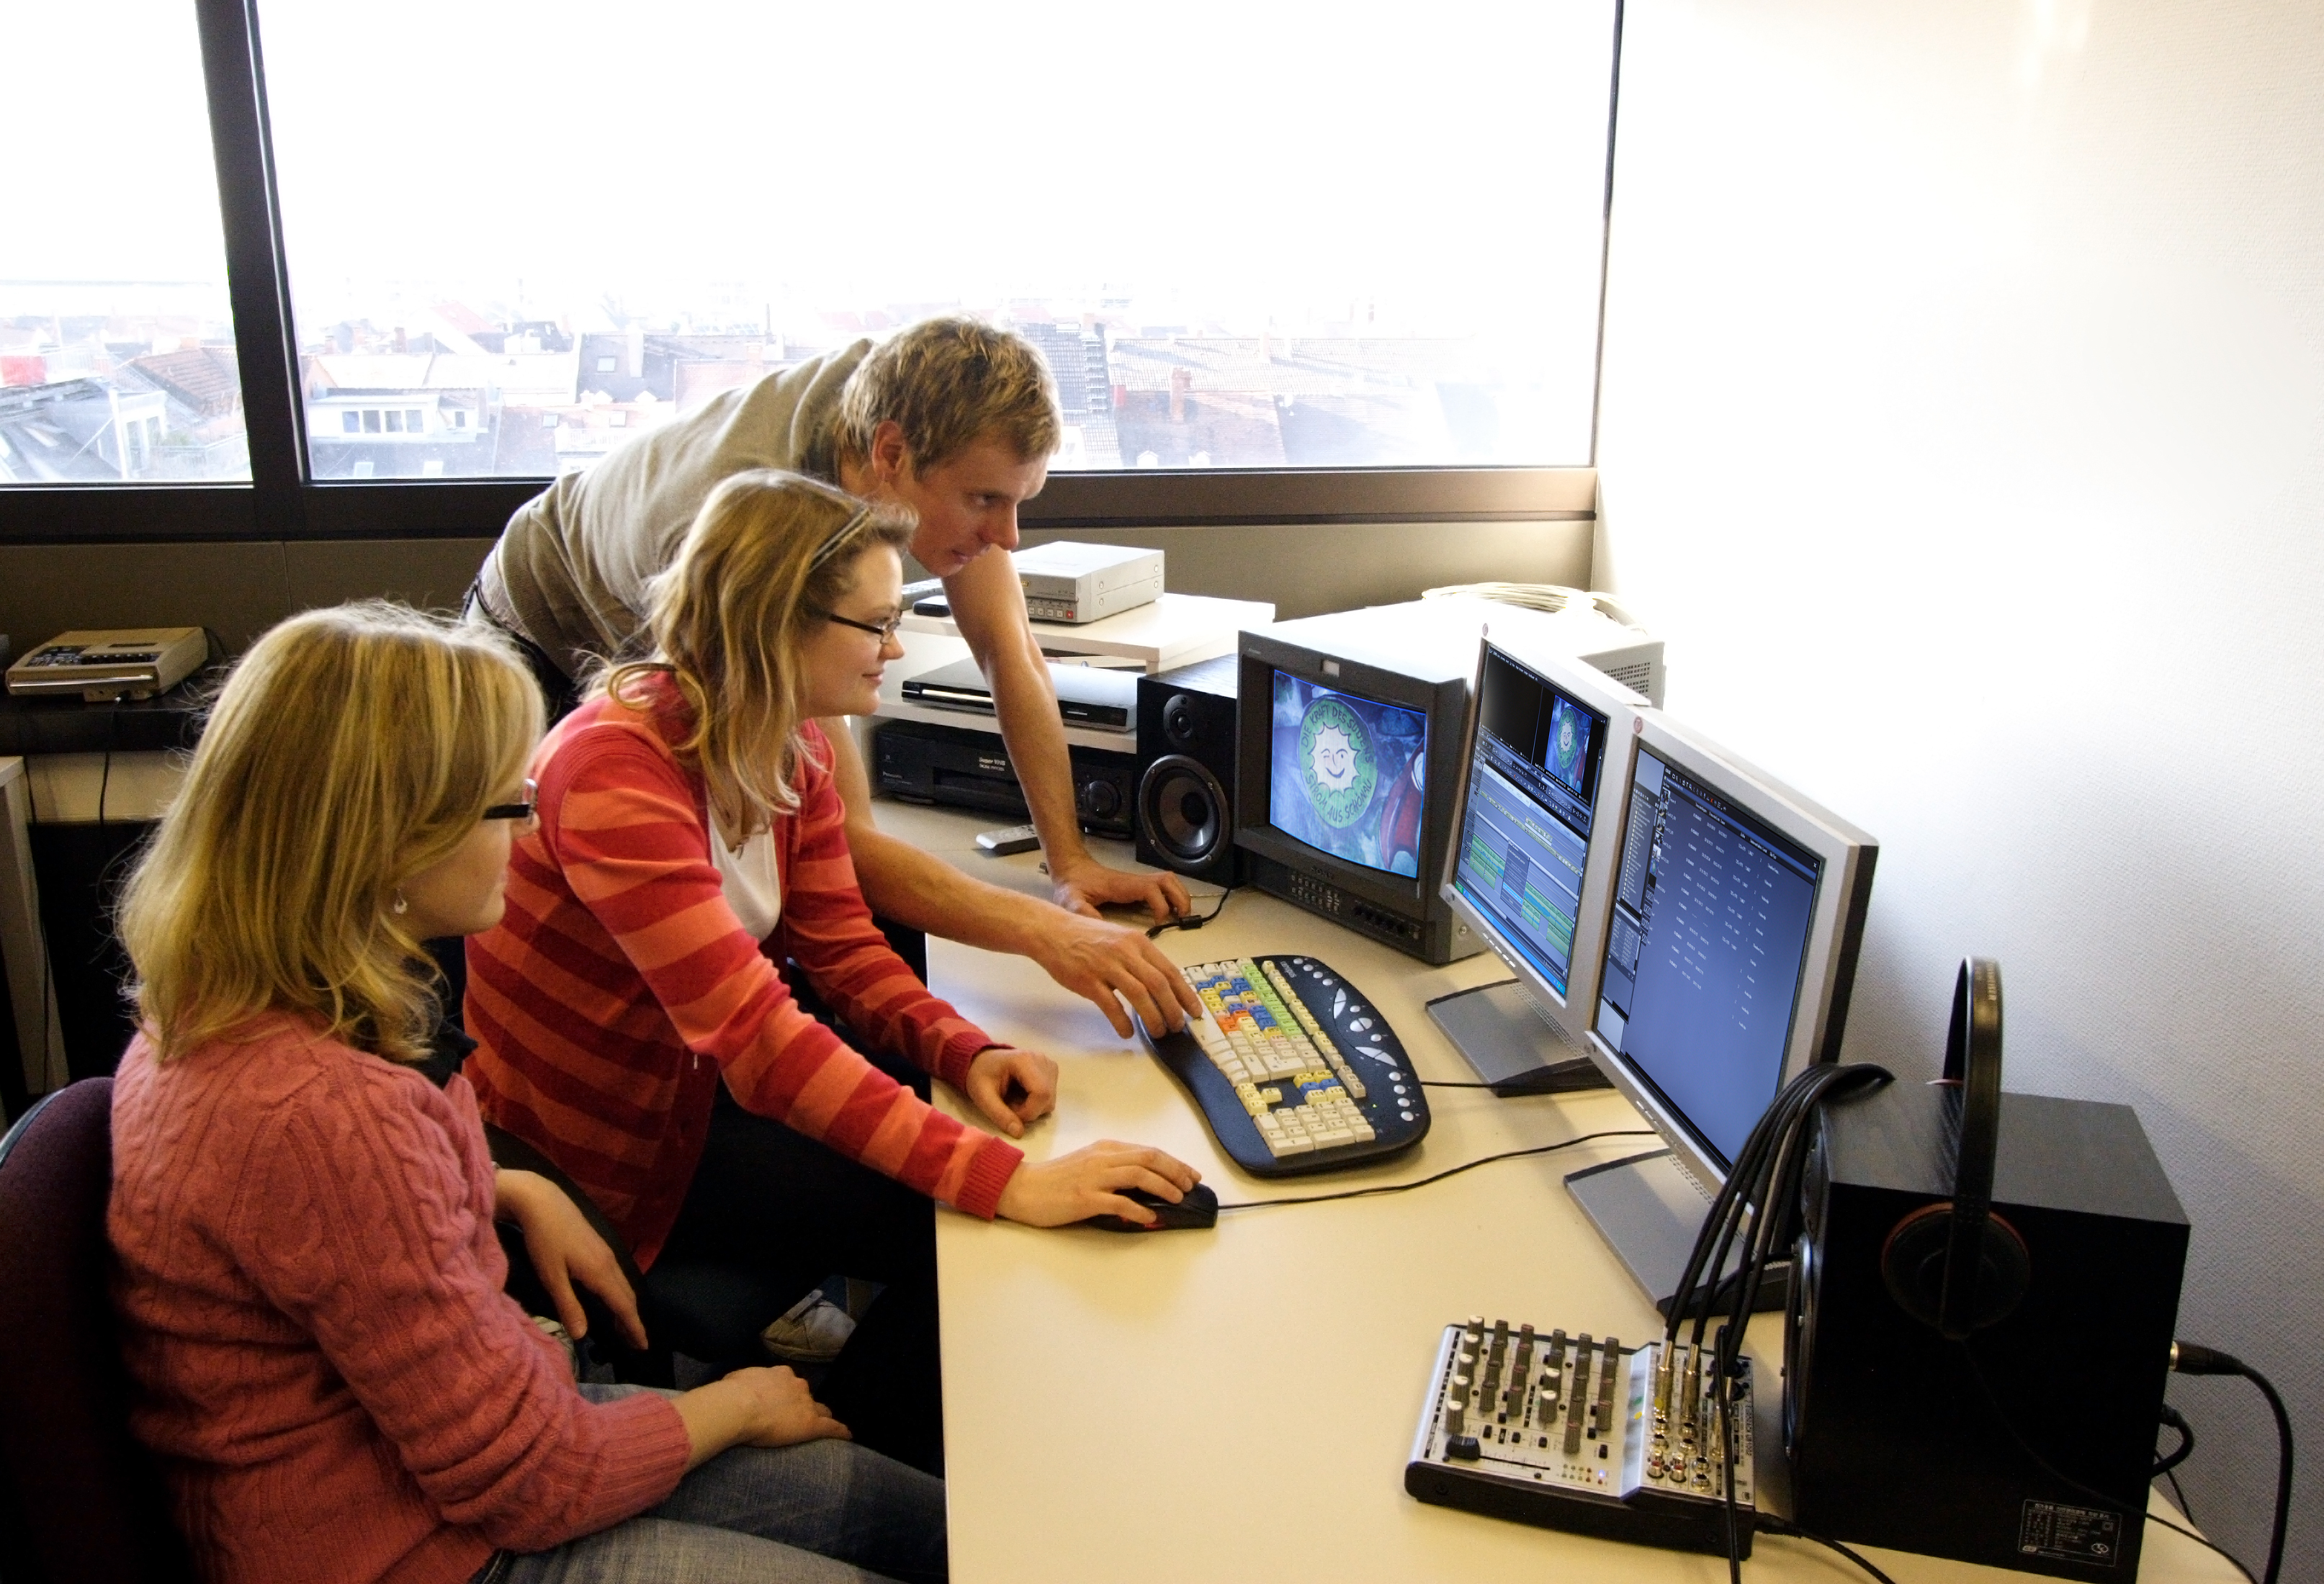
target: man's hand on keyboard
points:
(1089, 1181)
(1002, 1071)
(1110, 963)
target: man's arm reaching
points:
(988, 605)
(1089, 956)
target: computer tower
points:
(1185, 798)
(2029, 1444)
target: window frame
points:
(282, 501)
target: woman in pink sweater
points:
(307, 1277)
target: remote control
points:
(1002, 843)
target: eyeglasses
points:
(885, 631)
(526, 811)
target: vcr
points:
(923, 763)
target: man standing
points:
(957, 420)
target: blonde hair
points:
(766, 558)
(948, 383)
(350, 749)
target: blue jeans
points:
(824, 1512)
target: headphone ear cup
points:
(1913, 1266)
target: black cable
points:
(1191, 921)
(2184, 1505)
(1446, 1084)
(1978, 1373)
(1764, 1179)
(1771, 1524)
(1507, 1155)
(2193, 1359)
(2176, 1421)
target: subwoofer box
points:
(2029, 1444)
(1185, 797)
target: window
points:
(112, 282)
(1287, 264)
(1315, 241)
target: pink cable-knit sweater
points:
(324, 1361)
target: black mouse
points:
(1197, 1210)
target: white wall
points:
(1963, 428)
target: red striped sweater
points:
(619, 966)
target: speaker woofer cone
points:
(1182, 810)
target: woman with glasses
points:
(306, 1270)
(630, 1020)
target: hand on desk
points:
(1110, 963)
(996, 1070)
(1089, 1182)
(1084, 887)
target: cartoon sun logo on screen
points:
(1336, 762)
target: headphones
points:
(1955, 1266)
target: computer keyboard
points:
(1293, 1070)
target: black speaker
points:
(1185, 797)
(1984, 1294)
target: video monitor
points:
(1725, 968)
(1542, 783)
(1346, 770)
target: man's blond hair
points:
(766, 558)
(349, 750)
(949, 384)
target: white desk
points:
(1202, 1407)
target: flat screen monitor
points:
(1350, 730)
(1544, 777)
(1724, 970)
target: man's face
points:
(967, 503)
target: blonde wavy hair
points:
(349, 750)
(766, 558)
(948, 382)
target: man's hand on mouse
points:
(1089, 1181)
(1012, 1087)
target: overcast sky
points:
(1248, 157)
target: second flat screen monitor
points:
(1525, 840)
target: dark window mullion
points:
(257, 282)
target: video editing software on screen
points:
(1704, 952)
(1525, 836)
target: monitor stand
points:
(1650, 1212)
(1510, 1044)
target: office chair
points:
(79, 1499)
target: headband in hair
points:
(840, 535)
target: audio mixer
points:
(1573, 1432)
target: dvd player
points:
(1093, 696)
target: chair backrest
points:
(86, 1501)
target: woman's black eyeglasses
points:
(524, 811)
(885, 633)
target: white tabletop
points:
(1238, 1403)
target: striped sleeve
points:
(827, 929)
(630, 842)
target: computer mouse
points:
(1199, 1208)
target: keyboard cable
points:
(1381, 1188)
(1193, 921)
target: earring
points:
(401, 905)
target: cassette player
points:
(103, 666)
